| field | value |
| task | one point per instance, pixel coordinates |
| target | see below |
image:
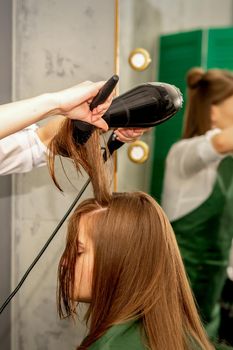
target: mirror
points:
(141, 25)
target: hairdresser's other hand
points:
(74, 103)
(130, 135)
(223, 141)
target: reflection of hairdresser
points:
(198, 187)
(25, 149)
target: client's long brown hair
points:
(138, 274)
(88, 156)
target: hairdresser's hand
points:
(129, 135)
(74, 103)
(223, 141)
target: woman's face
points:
(84, 265)
(222, 114)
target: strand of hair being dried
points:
(87, 156)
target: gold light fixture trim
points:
(138, 152)
(139, 59)
(116, 71)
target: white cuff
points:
(38, 149)
(207, 151)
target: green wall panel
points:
(178, 53)
(220, 48)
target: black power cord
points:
(112, 145)
(44, 247)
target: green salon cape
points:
(126, 336)
(204, 237)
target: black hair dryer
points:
(144, 106)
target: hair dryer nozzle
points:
(144, 106)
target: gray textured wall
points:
(5, 181)
(56, 44)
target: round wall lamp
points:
(138, 151)
(139, 59)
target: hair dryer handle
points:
(113, 144)
(83, 130)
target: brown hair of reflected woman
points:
(121, 257)
(205, 89)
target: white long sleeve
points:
(194, 154)
(190, 174)
(21, 152)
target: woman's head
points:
(210, 101)
(123, 259)
(122, 237)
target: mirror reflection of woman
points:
(198, 188)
